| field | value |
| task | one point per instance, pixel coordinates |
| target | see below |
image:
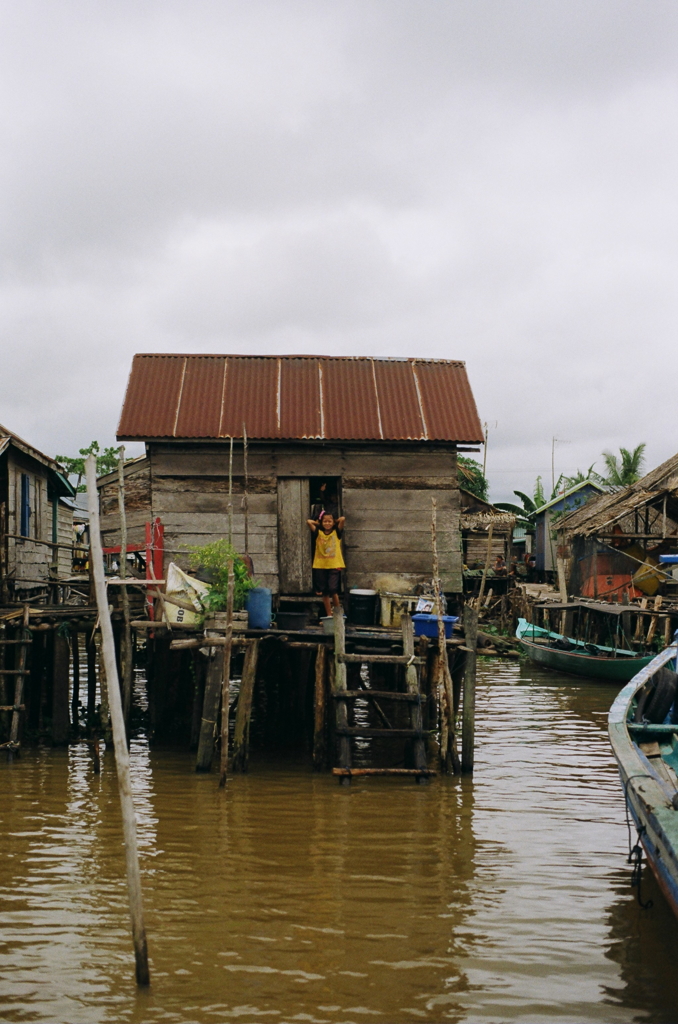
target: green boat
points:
(578, 658)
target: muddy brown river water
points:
(290, 898)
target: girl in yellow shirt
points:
(328, 560)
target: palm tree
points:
(621, 472)
(529, 506)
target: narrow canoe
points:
(614, 665)
(647, 756)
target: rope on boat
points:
(635, 856)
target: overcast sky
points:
(487, 181)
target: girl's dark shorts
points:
(326, 581)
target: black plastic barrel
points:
(362, 607)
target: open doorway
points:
(325, 495)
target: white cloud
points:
(490, 181)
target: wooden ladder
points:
(343, 697)
(20, 673)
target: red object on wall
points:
(155, 549)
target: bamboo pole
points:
(126, 633)
(468, 717)
(230, 493)
(245, 500)
(119, 737)
(226, 676)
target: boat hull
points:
(612, 670)
(648, 797)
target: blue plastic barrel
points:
(259, 608)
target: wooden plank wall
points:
(28, 561)
(137, 504)
(386, 497)
(475, 545)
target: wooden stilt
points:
(198, 692)
(126, 659)
(119, 736)
(469, 708)
(319, 705)
(412, 684)
(241, 734)
(13, 745)
(226, 678)
(210, 710)
(60, 680)
(91, 676)
(340, 687)
(75, 693)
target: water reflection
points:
(291, 898)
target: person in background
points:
(500, 565)
(326, 502)
(328, 560)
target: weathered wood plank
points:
(168, 485)
(213, 522)
(401, 501)
(420, 463)
(388, 540)
(400, 483)
(168, 503)
(399, 562)
(294, 545)
(211, 460)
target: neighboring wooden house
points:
(612, 543)
(384, 433)
(476, 518)
(547, 517)
(36, 517)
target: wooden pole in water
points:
(339, 687)
(319, 709)
(119, 738)
(19, 686)
(126, 635)
(241, 733)
(226, 676)
(448, 750)
(468, 717)
(210, 708)
(75, 696)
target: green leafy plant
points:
(624, 469)
(107, 461)
(212, 560)
(470, 477)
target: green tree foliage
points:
(212, 561)
(626, 468)
(107, 461)
(581, 478)
(470, 477)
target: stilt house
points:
(36, 520)
(611, 544)
(383, 433)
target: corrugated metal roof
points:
(295, 397)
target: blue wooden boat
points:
(644, 740)
(578, 658)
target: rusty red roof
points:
(339, 398)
